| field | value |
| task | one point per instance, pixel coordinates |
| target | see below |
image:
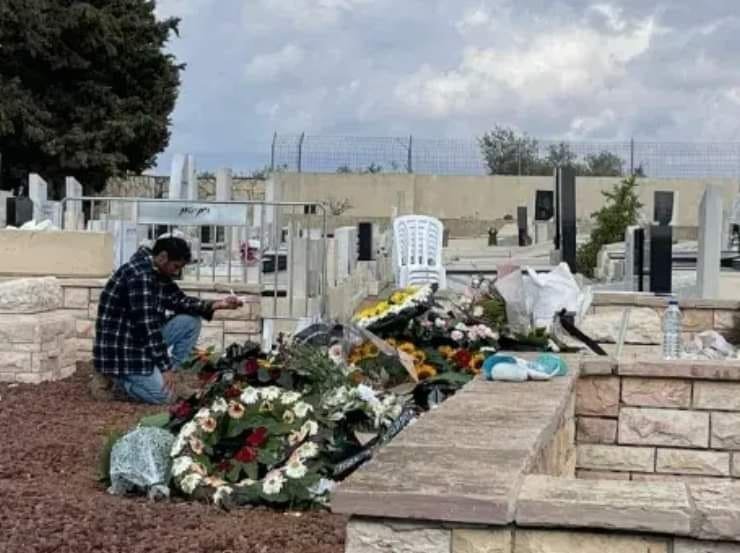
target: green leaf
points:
(159, 420)
(234, 474)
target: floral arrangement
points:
(271, 429)
(401, 303)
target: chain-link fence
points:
(502, 155)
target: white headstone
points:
(51, 211)
(629, 258)
(73, 210)
(38, 193)
(177, 175)
(191, 175)
(4, 195)
(346, 251)
(223, 185)
(710, 243)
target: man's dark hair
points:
(177, 249)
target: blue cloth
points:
(180, 334)
(133, 309)
(491, 362)
(514, 369)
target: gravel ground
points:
(50, 500)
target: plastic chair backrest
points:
(418, 241)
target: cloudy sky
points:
(664, 70)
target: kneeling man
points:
(146, 325)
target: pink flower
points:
(457, 336)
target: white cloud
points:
(268, 67)
(309, 14)
(575, 62)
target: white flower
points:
(302, 409)
(457, 336)
(294, 438)
(188, 429)
(245, 483)
(202, 413)
(221, 494)
(478, 311)
(289, 417)
(289, 398)
(473, 335)
(461, 327)
(322, 487)
(250, 396)
(196, 445)
(295, 469)
(190, 482)
(178, 446)
(273, 483)
(271, 393)
(365, 393)
(309, 450)
(181, 465)
(208, 424)
(440, 323)
(214, 482)
(236, 410)
(219, 406)
(310, 428)
(336, 354)
(198, 469)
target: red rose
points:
(258, 437)
(224, 466)
(251, 367)
(181, 410)
(232, 392)
(462, 358)
(246, 454)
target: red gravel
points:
(50, 500)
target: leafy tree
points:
(604, 164)
(85, 88)
(344, 170)
(507, 152)
(562, 156)
(620, 210)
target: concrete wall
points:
(455, 197)
(62, 254)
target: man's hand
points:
(169, 382)
(231, 302)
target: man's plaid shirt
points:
(134, 306)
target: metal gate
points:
(280, 246)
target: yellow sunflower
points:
(476, 363)
(370, 350)
(446, 351)
(392, 342)
(398, 298)
(426, 371)
(419, 357)
(407, 347)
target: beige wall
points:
(456, 197)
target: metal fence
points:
(280, 246)
(342, 154)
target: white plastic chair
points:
(417, 241)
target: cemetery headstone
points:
(661, 259)
(18, 211)
(177, 175)
(522, 225)
(365, 241)
(38, 192)
(639, 236)
(72, 209)
(191, 175)
(568, 216)
(663, 207)
(556, 188)
(544, 205)
(4, 195)
(710, 243)
(629, 258)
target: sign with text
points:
(191, 213)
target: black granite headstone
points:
(661, 259)
(18, 211)
(568, 216)
(663, 207)
(365, 242)
(521, 223)
(556, 188)
(544, 205)
(639, 266)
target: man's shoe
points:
(101, 387)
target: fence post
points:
(300, 152)
(272, 152)
(409, 163)
(632, 156)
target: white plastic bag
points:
(533, 299)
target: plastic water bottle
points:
(672, 331)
